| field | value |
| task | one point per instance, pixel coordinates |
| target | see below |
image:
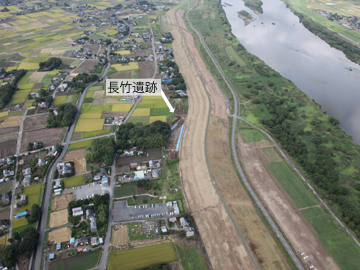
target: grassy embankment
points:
(308, 135)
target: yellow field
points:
(86, 125)
(151, 97)
(130, 66)
(156, 118)
(123, 52)
(121, 107)
(60, 99)
(2, 114)
(111, 32)
(25, 86)
(11, 68)
(28, 65)
(53, 72)
(141, 112)
(90, 115)
(3, 240)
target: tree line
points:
(8, 90)
(50, 64)
(101, 150)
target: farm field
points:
(251, 135)
(141, 257)
(33, 194)
(48, 136)
(3, 240)
(35, 122)
(74, 181)
(8, 148)
(83, 261)
(65, 99)
(78, 157)
(150, 110)
(58, 218)
(60, 235)
(79, 145)
(119, 236)
(190, 258)
(61, 202)
(125, 190)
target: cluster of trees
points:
(255, 5)
(31, 147)
(147, 137)
(65, 117)
(100, 207)
(44, 97)
(178, 82)
(81, 80)
(22, 243)
(101, 150)
(35, 214)
(8, 90)
(332, 38)
(50, 64)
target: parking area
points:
(87, 191)
(123, 212)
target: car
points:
(135, 206)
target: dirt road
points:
(220, 238)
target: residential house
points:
(27, 181)
(183, 222)
(97, 177)
(105, 181)
(155, 173)
(41, 162)
(89, 213)
(133, 165)
(94, 241)
(9, 161)
(163, 229)
(6, 173)
(77, 211)
(57, 184)
(2, 161)
(103, 170)
(55, 112)
(26, 172)
(42, 104)
(3, 225)
(93, 226)
(172, 219)
(23, 198)
(5, 198)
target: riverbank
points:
(325, 154)
(334, 34)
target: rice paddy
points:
(121, 107)
(141, 112)
(129, 66)
(86, 125)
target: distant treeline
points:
(351, 51)
(50, 64)
(8, 90)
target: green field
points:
(31, 199)
(141, 112)
(79, 145)
(73, 181)
(140, 119)
(157, 118)
(141, 257)
(191, 258)
(340, 246)
(125, 190)
(82, 261)
(292, 184)
(17, 223)
(234, 56)
(94, 133)
(160, 111)
(251, 135)
(34, 189)
(152, 104)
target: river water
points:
(289, 48)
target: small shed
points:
(51, 256)
(58, 246)
(105, 181)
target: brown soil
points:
(60, 235)
(48, 136)
(106, 114)
(93, 47)
(61, 202)
(11, 121)
(148, 242)
(76, 136)
(222, 243)
(74, 154)
(35, 122)
(299, 232)
(7, 134)
(7, 148)
(146, 69)
(119, 237)
(5, 214)
(87, 66)
(58, 218)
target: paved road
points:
(50, 178)
(234, 152)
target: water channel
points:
(323, 73)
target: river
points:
(323, 73)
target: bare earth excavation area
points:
(293, 224)
(222, 243)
